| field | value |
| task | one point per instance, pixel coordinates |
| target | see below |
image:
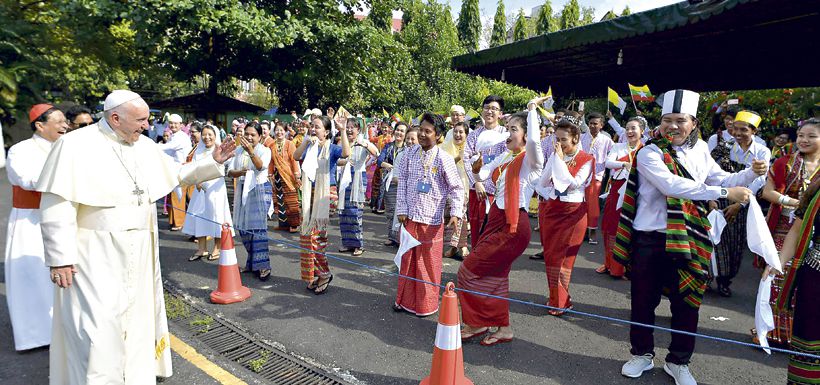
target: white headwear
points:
(174, 118)
(119, 97)
(679, 102)
(458, 109)
(316, 112)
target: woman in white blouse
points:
(252, 198)
(209, 203)
(507, 232)
(619, 162)
(565, 177)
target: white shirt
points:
(656, 182)
(530, 170)
(730, 138)
(178, 147)
(598, 147)
(755, 151)
(242, 161)
(618, 151)
(556, 178)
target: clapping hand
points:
(224, 151)
(760, 167)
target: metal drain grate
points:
(237, 345)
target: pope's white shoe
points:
(637, 365)
(680, 373)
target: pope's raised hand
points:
(224, 151)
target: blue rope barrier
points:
(518, 301)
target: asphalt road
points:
(352, 330)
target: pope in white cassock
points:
(99, 225)
(28, 291)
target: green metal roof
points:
(674, 41)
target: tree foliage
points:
(626, 11)
(570, 15)
(544, 23)
(587, 15)
(499, 36)
(469, 25)
(381, 15)
(520, 28)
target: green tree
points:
(545, 23)
(626, 11)
(499, 36)
(570, 15)
(381, 14)
(587, 15)
(520, 28)
(609, 16)
(469, 25)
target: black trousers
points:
(655, 273)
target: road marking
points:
(191, 355)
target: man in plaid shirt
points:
(482, 193)
(427, 176)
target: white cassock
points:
(29, 290)
(98, 214)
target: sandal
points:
(390, 243)
(322, 288)
(312, 285)
(213, 256)
(293, 230)
(602, 269)
(479, 332)
(537, 256)
(358, 251)
(397, 308)
(264, 274)
(198, 256)
(557, 312)
(498, 340)
(724, 291)
(451, 252)
(345, 250)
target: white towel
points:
(758, 236)
(718, 222)
(406, 242)
(311, 162)
(764, 320)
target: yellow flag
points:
(384, 112)
(549, 102)
(616, 100)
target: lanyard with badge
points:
(424, 184)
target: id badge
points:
(423, 187)
(488, 159)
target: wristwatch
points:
(724, 193)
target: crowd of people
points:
(463, 189)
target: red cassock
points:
(421, 262)
(567, 222)
(487, 270)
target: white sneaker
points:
(637, 365)
(680, 373)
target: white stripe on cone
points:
(227, 257)
(448, 337)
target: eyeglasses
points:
(492, 109)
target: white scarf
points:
(358, 162)
(316, 203)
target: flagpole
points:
(633, 101)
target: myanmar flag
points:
(641, 94)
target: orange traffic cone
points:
(229, 286)
(448, 361)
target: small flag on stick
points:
(616, 100)
(641, 94)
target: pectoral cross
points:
(138, 192)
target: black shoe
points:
(539, 255)
(724, 290)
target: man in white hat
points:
(177, 148)
(673, 177)
(99, 227)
